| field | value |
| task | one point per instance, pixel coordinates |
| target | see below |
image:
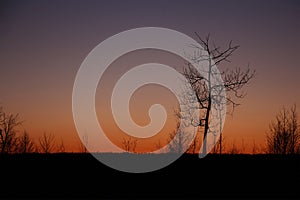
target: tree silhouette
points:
(47, 143)
(284, 135)
(233, 149)
(179, 143)
(8, 125)
(129, 144)
(61, 147)
(209, 95)
(84, 144)
(220, 146)
(25, 144)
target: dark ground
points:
(82, 176)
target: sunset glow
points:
(43, 44)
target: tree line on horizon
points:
(14, 141)
(283, 137)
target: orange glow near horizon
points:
(244, 129)
(43, 45)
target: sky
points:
(43, 43)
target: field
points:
(72, 175)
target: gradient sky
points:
(43, 43)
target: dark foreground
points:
(82, 176)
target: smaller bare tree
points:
(219, 146)
(61, 147)
(234, 149)
(84, 141)
(178, 141)
(25, 144)
(129, 144)
(193, 147)
(158, 145)
(47, 143)
(284, 135)
(255, 149)
(8, 126)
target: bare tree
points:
(233, 149)
(129, 144)
(158, 145)
(47, 143)
(255, 149)
(179, 143)
(220, 146)
(206, 92)
(84, 144)
(25, 144)
(8, 125)
(284, 135)
(61, 147)
(193, 146)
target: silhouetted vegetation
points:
(80, 175)
(284, 135)
(8, 137)
(243, 175)
(209, 94)
(47, 143)
(129, 144)
(26, 144)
